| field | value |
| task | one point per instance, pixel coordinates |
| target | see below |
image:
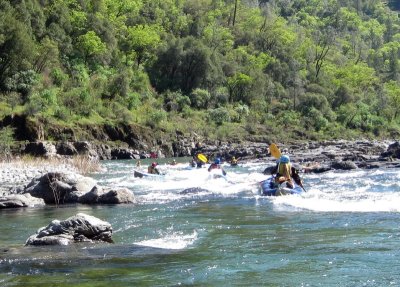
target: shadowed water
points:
(343, 232)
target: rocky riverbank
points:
(17, 173)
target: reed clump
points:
(84, 164)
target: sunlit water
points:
(343, 232)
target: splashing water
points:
(350, 191)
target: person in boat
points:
(173, 162)
(152, 169)
(199, 163)
(138, 163)
(216, 165)
(234, 161)
(193, 162)
(310, 167)
(285, 172)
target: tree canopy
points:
(314, 69)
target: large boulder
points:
(19, 200)
(122, 153)
(66, 148)
(58, 188)
(393, 151)
(45, 149)
(107, 196)
(85, 148)
(343, 165)
(78, 228)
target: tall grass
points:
(80, 164)
(84, 164)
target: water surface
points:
(343, 232)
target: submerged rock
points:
(78, 228)
(107, 196)
(193, 190)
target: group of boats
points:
(268, 187)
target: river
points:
(343, 232)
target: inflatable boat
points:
(270, 188)
(140, 174)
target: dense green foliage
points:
(224, 68)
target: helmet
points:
(284, 159)
(233, 158)
(217, 161)
(154, 164)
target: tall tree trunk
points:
(234, 13)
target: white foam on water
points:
(334, 191)
(176, 241)
(341, 199)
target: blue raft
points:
(270, 188)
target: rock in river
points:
(78, 228)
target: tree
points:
(181, 65)
(238, 87)
(323, 44)
(141, 41)
(16, 47)
(392, 89)
(47, 55)
(90, 45)
(394, 65)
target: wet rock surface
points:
(78, 228)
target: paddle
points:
(301, 185)
(274, 150)
(202, 158)
(298, 180)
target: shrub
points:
(62, 113)
(22, 82)
(242, 111)
(221, 96)
(155, 118)
(289, 119)
(175, 101)
(58, 77)
(219, 116)
(316, 119)
(200, 98)
(133, 100)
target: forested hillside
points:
(225, 69)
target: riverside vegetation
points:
(233, 69)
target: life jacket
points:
(285, 169)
